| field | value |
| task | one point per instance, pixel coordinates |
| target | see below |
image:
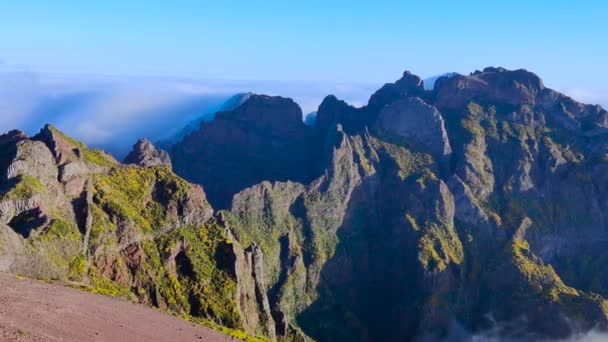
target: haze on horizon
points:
(55, 59)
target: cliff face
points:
(262, 139)
(479, 203)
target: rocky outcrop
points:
(34, 159)
(492, 85)
(408, 85)
(73, 158)
(9, 209)
(8, 142)
(62, 148)
(146, 155)
(333, 112)
(414, 119)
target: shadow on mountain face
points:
(264, 139)
(368, 289)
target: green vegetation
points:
(61, 229)
(235, 333)
(130, 193)
(106, 287)
(77, 268)
(438, 247)
(412, 222)
(179, 272)
(98, 157)
(52, 247)
(542, 278)
(409, 162)
(26, 187)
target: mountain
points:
(209, 115)
(429, 83)
(477, 206)
(263, 139)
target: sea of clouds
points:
(112, 112)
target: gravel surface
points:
(36, 311)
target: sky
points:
(113, 68)
(330, 40)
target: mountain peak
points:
(145, 154)
(333, 111)
(62, 147)
(264, 108)
(408, 85)
(513, 87)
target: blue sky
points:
(352, 41)
(92, 67)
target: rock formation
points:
(146, 155)
(413, 119)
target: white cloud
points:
(112, 112)
(588, 96)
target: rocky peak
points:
(62, 147)
(277, 114)
(514, 88)
(410, 81)
(520, 78)
(408, 85)
(414, 119)
(146, 155)
(71, 156)
(333, 111)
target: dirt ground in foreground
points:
(36, 311)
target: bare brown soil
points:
(36, 311)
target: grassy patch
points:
(542, 278)
(26, 187)
(409, 162)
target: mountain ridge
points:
(480, 201)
